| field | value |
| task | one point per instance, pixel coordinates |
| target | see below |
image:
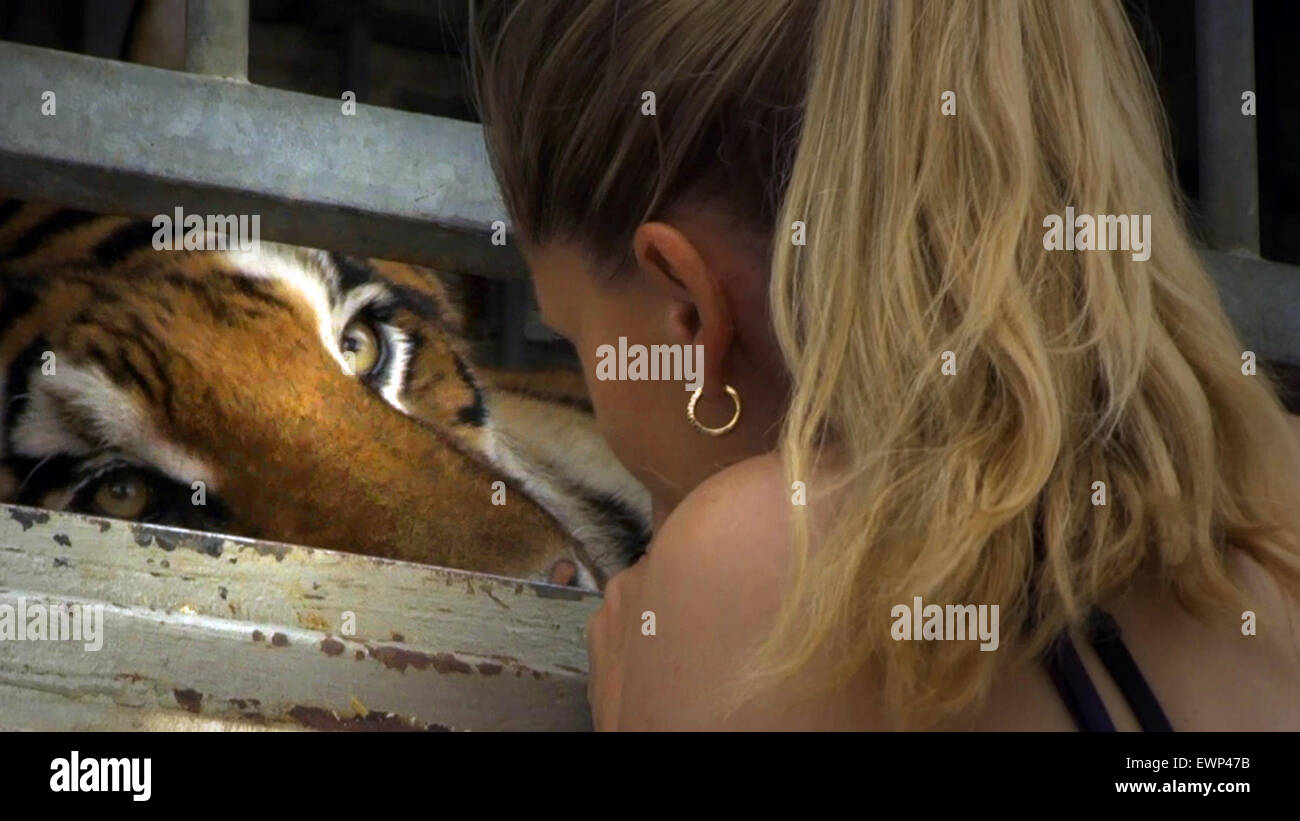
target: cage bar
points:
(216, 38)
(1227, 150)
(130, 139)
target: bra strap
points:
(1076, 688)
(1109, 644)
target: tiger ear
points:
(445, 290)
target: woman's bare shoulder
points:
(745, 507)
(712, 580)
(746, 479)
(717, 572)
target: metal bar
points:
(216, 38)
(203, 630)
(131, 139)
(1262, 298)
(1228, 154)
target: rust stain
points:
(500, 663)
(189, 699)
(207, 545)
(279, 551)
(27, 519)
(399, 658)
(332, 646)
(313, 620)
(330, 721)
(249, 708)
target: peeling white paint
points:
(439, 648)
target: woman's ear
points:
(693, 293)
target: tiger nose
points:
(564, 573)
(571, 573)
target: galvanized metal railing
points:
(132, 139)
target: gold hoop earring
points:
(690, 412)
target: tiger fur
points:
(132, 372)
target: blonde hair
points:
(925, 236)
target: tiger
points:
(294, 395)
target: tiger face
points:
(277, 393)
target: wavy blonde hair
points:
(925, 236)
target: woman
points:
(910, 389)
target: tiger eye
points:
(360, 347)
(123, 496)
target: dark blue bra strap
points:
(1076, 688)
(1106, 640)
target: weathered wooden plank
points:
(205, 630)
(51, 712)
